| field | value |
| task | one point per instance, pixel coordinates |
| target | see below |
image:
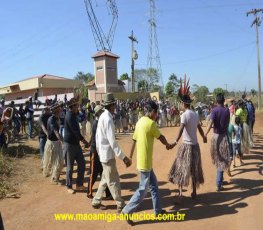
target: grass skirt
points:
(247, 139)
(220, 151)
(187, 165)
(53, 159)
(118, 124)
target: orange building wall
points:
(99, 74)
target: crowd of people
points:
(125, 116)
(64, 125)
(20, 120)
(232, 137)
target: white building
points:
(128, 86)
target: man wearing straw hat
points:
(53, 154)
(95, 164)
(72, 148)
(108, 148)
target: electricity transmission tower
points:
(257, 21)
(103, 41)
(153, 61)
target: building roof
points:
(46, 76)
(105, 53)
(40, 81)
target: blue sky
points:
(210, 41)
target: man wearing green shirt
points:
(145, 132)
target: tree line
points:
(148, 82)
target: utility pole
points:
(134, 57)
(257, 22)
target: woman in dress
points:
(187, 164)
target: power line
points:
(213, 55)
(35, 38)
(205, 57)
(210, 7)
(103, 41)
(247, 63)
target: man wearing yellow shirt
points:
(145, 132)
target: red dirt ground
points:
(240, 206)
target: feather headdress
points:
(184, 91)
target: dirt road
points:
(240, 206)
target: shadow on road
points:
(215, 204)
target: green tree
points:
(85, 78)
(172, 86)
(143, 86)
(169, 89)
(140, 74)
(194, 88)
(200, 93)
(176, 81)
(153, 79)
(217, 91)
(124, 76)
(151, 76)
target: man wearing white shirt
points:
(108, 148)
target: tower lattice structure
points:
(154, 67)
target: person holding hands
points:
(107, 148)
(187, 164)
(143, 139)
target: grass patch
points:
(9, 160)
(20, 151)
(6, 167)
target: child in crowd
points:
(230, 132)
(236, 141)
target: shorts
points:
(237, 149)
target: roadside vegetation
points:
(6, 167)
(9, 167)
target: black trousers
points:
(95, 170)
(74, 153)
